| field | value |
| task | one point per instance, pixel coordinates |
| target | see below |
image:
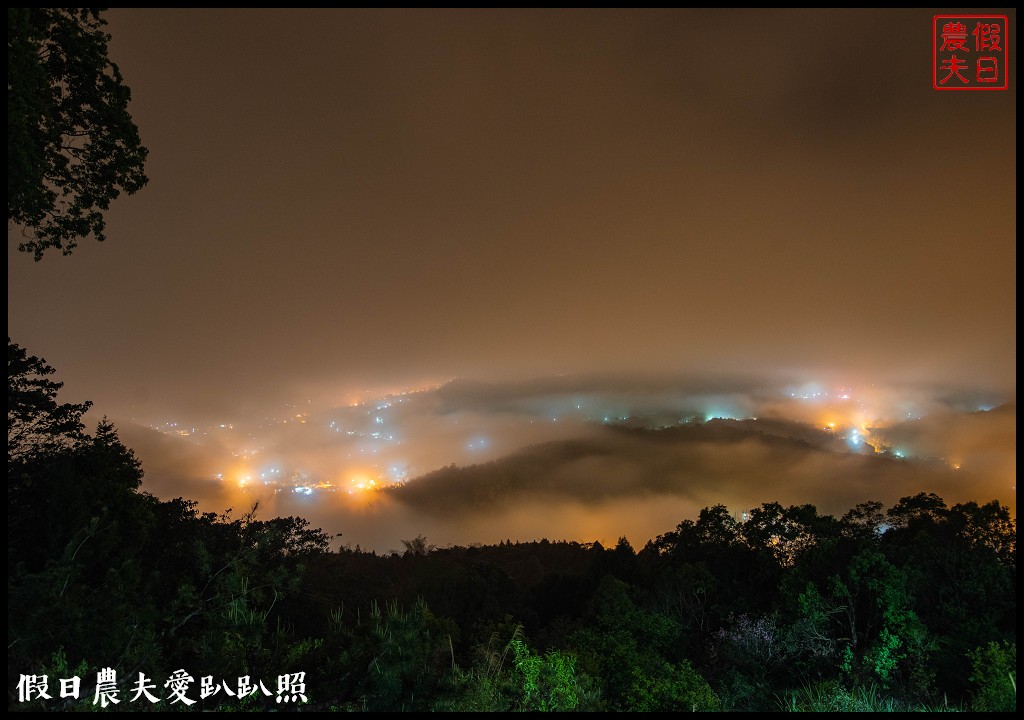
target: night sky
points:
(346, 203)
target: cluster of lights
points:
(366, 428)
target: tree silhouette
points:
(72, 146)
(36, 423)
(417, 547)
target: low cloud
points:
(586, 459)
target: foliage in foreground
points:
(789, 610)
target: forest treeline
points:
(911, 607)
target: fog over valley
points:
(588, 458)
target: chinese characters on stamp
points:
(969, 52)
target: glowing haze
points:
(585, 458)
(663, 216)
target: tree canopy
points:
(72, 147)
(913, 608)
(36, 422)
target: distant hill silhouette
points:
(622, 461)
